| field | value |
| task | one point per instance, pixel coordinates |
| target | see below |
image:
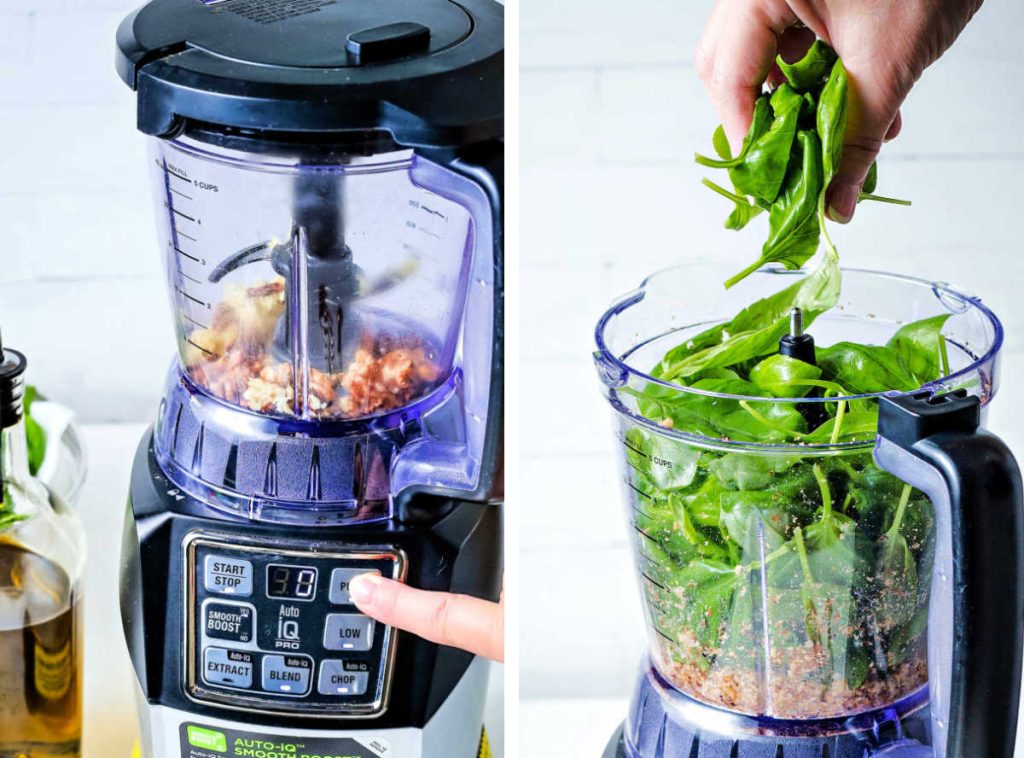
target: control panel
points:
(273, 629)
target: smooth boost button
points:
(348, 631)
(227, 668)
(227, 576)
(340, 577)
(287, 674)
(225, 621)
(335, 679)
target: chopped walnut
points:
(230, 359)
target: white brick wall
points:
(81, 290)
(612, 112)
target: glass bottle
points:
(42, 554)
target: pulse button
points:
(228, 576)
(340, 578)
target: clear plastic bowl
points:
(784, 575)
(315, 284)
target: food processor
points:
(855, 593)
(327, 179)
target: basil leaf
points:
(759, 125)
(921, 348)
(742, 471)
(784, 99)
(793, 230)
(871, 182)
(763, 169)
(34, 434)
(832, 120)
(781, 375)
(721, 144)
(810, 71)
(668, 464)
(747, 525)
(726, 418)
(708, 588)
(864, 369)
(756, 330)
(743, 211)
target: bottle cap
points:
(12, 387)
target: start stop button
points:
(227, 576)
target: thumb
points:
(872, 111)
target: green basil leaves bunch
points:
(788, 158)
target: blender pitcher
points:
(323, 286)
(856, 592)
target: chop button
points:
(336, 680)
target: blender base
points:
(665, 723)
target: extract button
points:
(227, 668)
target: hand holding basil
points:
(788, 158)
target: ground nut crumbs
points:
(230, 358)
(797, 687)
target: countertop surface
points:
(110, 721)
(576, 727)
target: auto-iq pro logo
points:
(207, 739)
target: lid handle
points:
(977, 591)
(387, 42)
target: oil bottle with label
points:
(42, 551)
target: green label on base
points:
(204, 742)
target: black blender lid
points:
(430, 72)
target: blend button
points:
(348, 631)
(340, 577)
(336, 680)
(287, 674)
(226, 621)
(228, 576)
(227, 668)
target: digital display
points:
(291, 582)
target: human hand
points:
(447, 619)
(885, 46)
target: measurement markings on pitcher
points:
(636, 489)
(635, 450)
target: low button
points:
(228, 668)
(227, 576)
(287, 674)
(340, 578)
(348, 631)
(335, 680)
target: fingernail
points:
(362, 587)
(842, 202)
